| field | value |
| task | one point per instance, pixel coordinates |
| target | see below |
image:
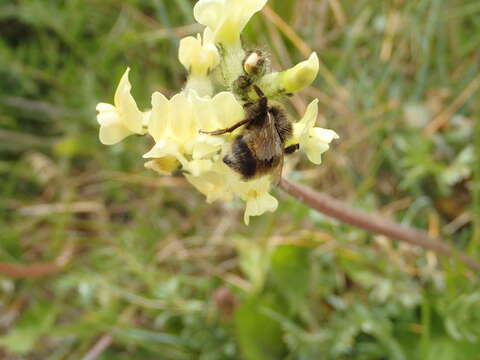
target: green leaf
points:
(33, 324)
(290, 273)
(259, 336)
(443, 348)
(141, 335)
(253, 262)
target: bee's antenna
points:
(258, 91)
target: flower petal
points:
(245, 9)
(199, 167)
(258, 205)
(184, 127)
(301, 75)
(218, 113)
(146, 118)
(314, 150)
(209, 12)
(226, 18)
(323, 135)
(206, 145)
(166, 148)
(189, 48)
(112, 134)
(162, 148)
(228, 110)
(127, 107)
(164, 165)
(308, 121)
(237, 14)
(197, 56)
(159, 125)
(213, 183)
(104, 107)
(107, 115)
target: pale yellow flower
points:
(199, 166)
(122, 119)
(165, 149)
(314, 141)
(218, 112)
(213, 183)
(206, 145)
(226, 18)
(173, 120)
(259, 203)
(219, 182)
(256, 194)
(167, 157)
(175, 124)
(182, 117)
(197, 55)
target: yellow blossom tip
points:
(226, 18)
(197, 55)
(301, 75)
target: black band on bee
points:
(241, 159)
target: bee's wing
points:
(277, 173)
(265, 141)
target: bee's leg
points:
(258, 91)
(227, 130)
(291, 149)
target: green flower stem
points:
(231, 64)
(271, 85)
(372, 223)
(201, 84)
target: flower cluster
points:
(214, 59)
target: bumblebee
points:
(260, 148)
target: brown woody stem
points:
(29, 271)
(372, 223)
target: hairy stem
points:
(372, 223)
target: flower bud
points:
(301, 75)
(254, 63)
(198, 55)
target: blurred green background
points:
(148, 270)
